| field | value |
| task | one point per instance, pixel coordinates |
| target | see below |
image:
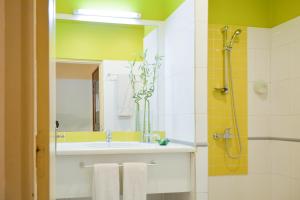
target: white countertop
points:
(94, 148)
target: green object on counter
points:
(163, 142)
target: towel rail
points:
(83, 165)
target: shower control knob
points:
(217, 136)
(226, 135)
(223, 90)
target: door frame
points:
(17, 99)
(45, 98)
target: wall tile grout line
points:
(275, 139)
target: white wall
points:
(151, 44)
(201, 94)
(285, 110)
(74, 104)
(259, 44)
(179, 73)
(112, 120)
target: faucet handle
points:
(108, 135)
(226, 135)
(151, 137)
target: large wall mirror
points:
(101, 87)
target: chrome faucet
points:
(226, 135)
(108, 135)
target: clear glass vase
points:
(146, 134)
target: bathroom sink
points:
(86, 148)
(118, 145)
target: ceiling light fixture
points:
(114, 14)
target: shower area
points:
(254, 100)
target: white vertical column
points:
(201, 122)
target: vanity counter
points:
(98, 148)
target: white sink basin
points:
(85, 148)
(118, 145)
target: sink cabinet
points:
(172, 174)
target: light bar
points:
(102, 13)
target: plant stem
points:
(149, 124)
(145, 110)
(137, 117)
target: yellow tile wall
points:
(219, 108)
(117, 136)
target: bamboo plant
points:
(143, 77)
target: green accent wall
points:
(96, 41)
(255, 13)
(150, 9)
(171, 6)
(148, 30)
(284, 10)
(83, 40)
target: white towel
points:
(124, 96)
(135, 181)
(106, 180)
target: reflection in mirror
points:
(98, 96)
(96, 100)
(78, 96)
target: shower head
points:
(238, 32)
(234, 37)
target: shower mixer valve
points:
(223, 90)
(226, 135)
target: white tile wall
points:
(259, 63)
(281, 158)
(281, 187)
(255, 185)
(201, 170)
(259, 125)
(180, 72)
(260, 161)
(295, 95)
(259, 38)
(281, 62)
(285, 73)
(201, 56)
(281, 97)
(285, 170)
(259, 44)
(201, 196)
(259, 105)
(285, 107)
(285, 125)
(201, 90)
(295, 189)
